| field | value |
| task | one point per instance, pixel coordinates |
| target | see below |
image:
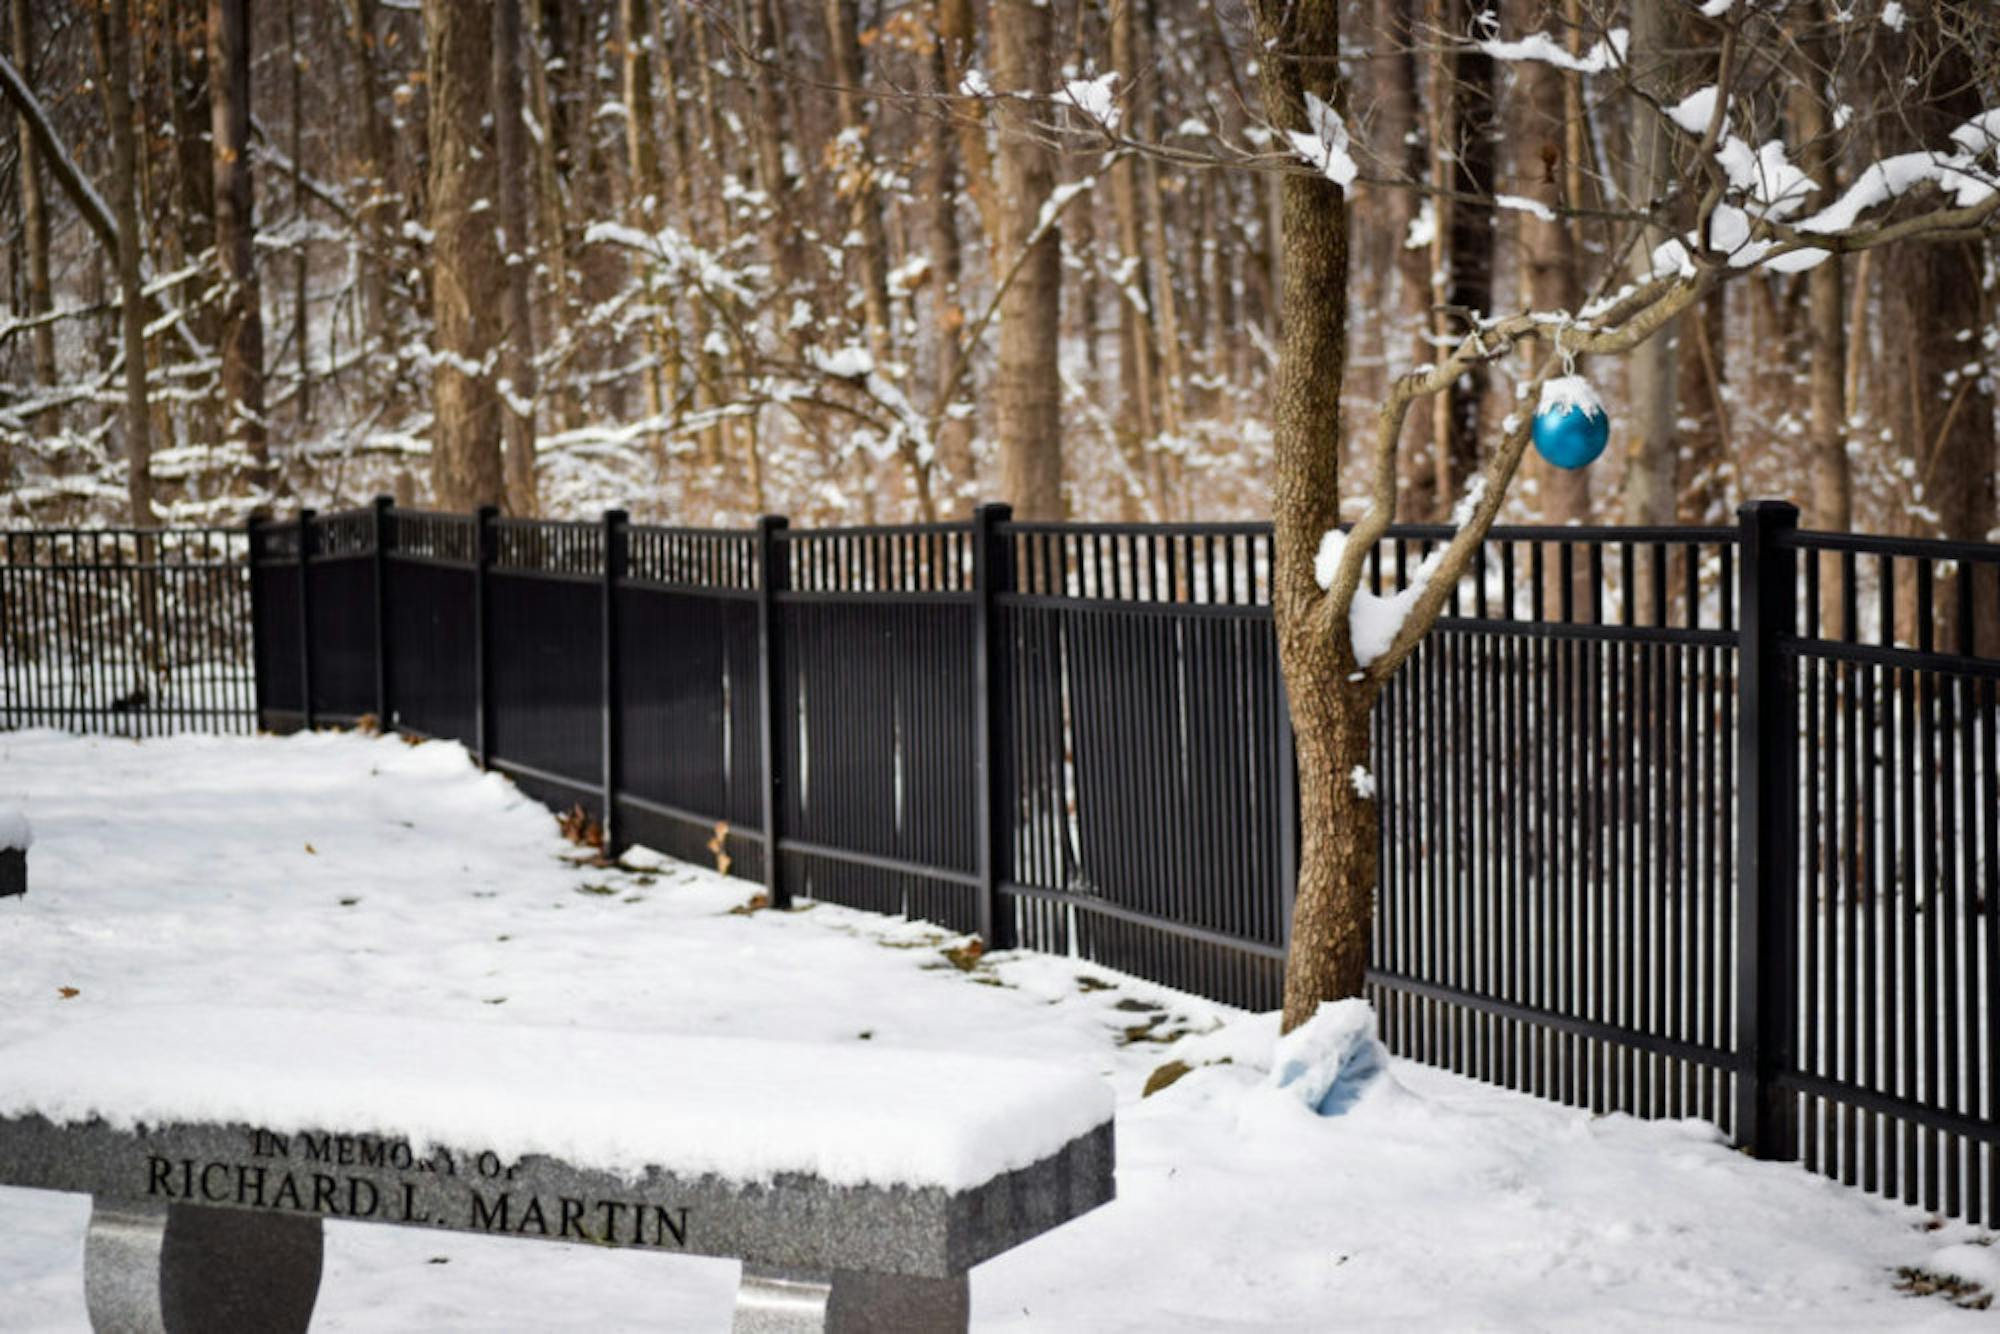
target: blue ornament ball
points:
(1571, 427)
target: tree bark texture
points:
(235, 231)
(465, 258)
(125, 213)
(1029, 383)
(1339, 835)
(34, 207)
(517, 347)
(1652, 377)
(1470, 260)
(1548, 252)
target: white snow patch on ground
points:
(335, 872)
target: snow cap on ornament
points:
(1571, 427)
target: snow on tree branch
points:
(1325, 147)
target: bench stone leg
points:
(181, 1269)
(777, 1302)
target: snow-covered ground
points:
(362, 875)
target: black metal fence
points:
(1676, 822)
(134, 632)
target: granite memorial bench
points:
(858, 1185)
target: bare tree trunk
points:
(1832, 508)
(235, 231)
(1470, 261)
(1651, 374)
(1705, 467)
(1940, 415)
(1339, 835)
(125, 210)
(954, 441)
(1548, 251)
(517, 345)
(302, 310)
(1138, 424)
(34, 209)
(375, 207)
(465, 438)
(1029, 388)
(643, 163)
(1395, 74)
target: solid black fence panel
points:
(340, 568)
(1556, 904)
(1144, 773)
(429, 582)
(876, 732)
(1896, 872)
(544, 641)
(279, 633)
(687, 645)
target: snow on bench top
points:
(14, 831)
(743, 1109)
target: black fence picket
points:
(1676, 822)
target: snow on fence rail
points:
(1676, 821)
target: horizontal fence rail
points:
(1676, 822)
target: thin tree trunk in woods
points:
(1938, 415)
(1394, 70)
(643, 164)
(34, 208)
(870, 247)
(1832, 504)
(1651, 372)
(235, 233)
(958, 35)
(194, 169)
(1705, 465)
(1337, 821)
(125, 212)
(517, 346)
(1028, 391)
(550, 196)
(1548, 251)
(465, 259)
(375, 207)
(1138, 426)
(1470, 259)
(954, 433)
(301, 308)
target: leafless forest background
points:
(705, 260)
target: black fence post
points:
(773, 576)
(385, 719)
(482, 562)
(305, 621)
(1767, 814)
(615, 544)
(992, 573)
(253, 549)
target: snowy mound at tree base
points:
(1333, 1060)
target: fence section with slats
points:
(1892, 668)
(1556, 769)
(1675, 822)
(132, 632)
